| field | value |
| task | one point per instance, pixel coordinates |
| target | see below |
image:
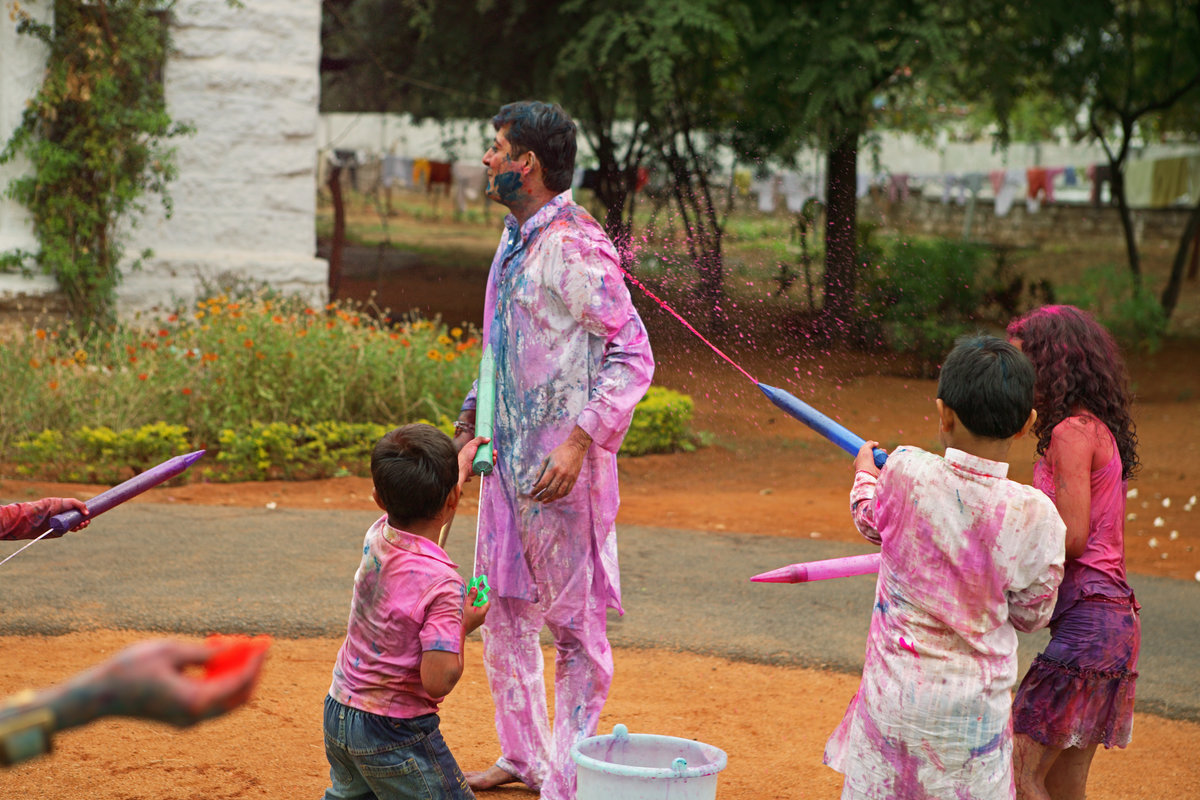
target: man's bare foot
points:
(490, 778)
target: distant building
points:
(245, 199)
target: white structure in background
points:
(244, 204)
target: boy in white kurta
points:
(968, 558)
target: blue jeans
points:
(385, 758)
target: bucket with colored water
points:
(643, 766)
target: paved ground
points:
(196, 569)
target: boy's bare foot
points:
(490, 778)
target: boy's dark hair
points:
(545, 129)
(989, 385)
(414, 467)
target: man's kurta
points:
(570, 349)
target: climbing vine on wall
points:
(96, 135)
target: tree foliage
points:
(96, 135)
(1117, 70)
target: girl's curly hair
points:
(1078, 366)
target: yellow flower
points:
(434, 355)
(456, 332)
(450, 357)
(444, 339)
(199, 315)
(81, 356)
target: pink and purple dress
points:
(967, 558)
(570, 351)
(1080, 690)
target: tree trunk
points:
(339, 230)
(1170, 295)
(841, 267)
(1131, 248)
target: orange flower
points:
(172, 318)
(186, 390)
(163, 333)
(405, 342)
(248, 343)
(33, 362)
(190, 353)
(433, 355)
(278, 320)
(54, 386)
(309, 311)
(40, 333)
(210, 356)
(133, 359)
(142, 376)
(302, 332)
(130, 349)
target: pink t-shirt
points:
(408, 598)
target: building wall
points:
(245, 202)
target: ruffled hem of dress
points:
(1060, 705)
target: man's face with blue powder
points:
(506, 172)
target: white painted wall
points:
(22, 59)
(245, 200)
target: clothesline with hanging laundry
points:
(1149, 183)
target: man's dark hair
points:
(414, 467)
(545, 129)
(989, 385)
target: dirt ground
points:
(762, 473)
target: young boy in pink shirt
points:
(409, 617)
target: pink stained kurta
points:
(967, 558)
(570, 350)
(408, 598)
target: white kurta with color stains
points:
(968, 558)
(570, 349)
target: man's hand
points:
(464, 428)
(561, 468)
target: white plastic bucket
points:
(643, 766)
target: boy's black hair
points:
(545, 129)
(414, 467)
(989, 385)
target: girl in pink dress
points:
(1079, 692)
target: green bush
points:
(661, 424)
(98, 455)
(927, 293)
(233, 363)
(279, 451)
(1131, 313)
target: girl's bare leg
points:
(1067, 778)
(1032, 761)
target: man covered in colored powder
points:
(572, 361)
(967, 558)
